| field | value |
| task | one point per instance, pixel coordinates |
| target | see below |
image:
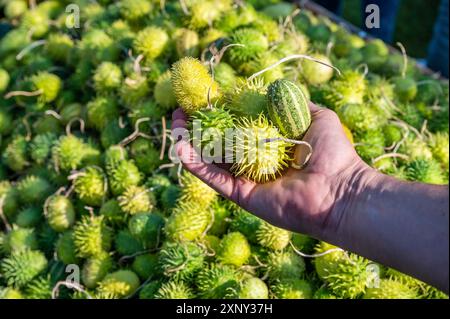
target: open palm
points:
(311, 200)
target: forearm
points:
(399, 224)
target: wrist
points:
(351, 189)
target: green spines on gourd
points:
(15, 156)
(234, 249)
(19, 268)
(33, 189)
(107, 77)
(134, 10)
(151, 42)
(292, 289)
(147, 228)
(101, 111)
(371, 144)
(187, 43)
(95, 269)
(254, 157)
(195, 191)
(48, 84)
(187, 222)
(358, 117)
(390, 289)
(60, 213)
(134, 90)
(65, 248)
(123, 175)
(71, 152)
(119, 284)
(174, 290)
(285, 265)
(41, 147)
(247, 224)
(145, 155)
(146, 266)
(191, 83)
(350, 88)
(19, 239)
(272, 237)
(254, 44)
(218, 281)
(439, 143)
(59, 46)
(136, 199)
(426, 171)
(405, 88)
(253, 288)
(91, 236)
(181, 261)
(288, 108)
(91, 186)
(248, 99)
(163, 92)
(112, 212)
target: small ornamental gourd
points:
(390, 289)
(91, 186)
(195, 191)
(174, 290)
(288, 108)
(39, 288)
(260, 153)
(272, 237)
(218, 281)
(33, 189)
(91, 236)
(293, 288)
(146, 265)
(60, 213)
(65, 248)
(253, 288)
(95, 269)
(134, 10)
(316, 73)
(285, 265)
(122, 176)
(253, 44)
(191, 83)
(119, 284)
(163, 92)
(234, 249)
(58, 46)
(151, 42)
(101, 111)
(107, 77)
(126, 244)
(181, 261)
(29, 217)
(136, 199)
(19, 268)
(19, 239)
(146, 228)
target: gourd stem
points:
(23, 93)
(405, 59)
(289, 58)
(28, 48)
(302, 254)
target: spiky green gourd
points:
(91, 236)
(149, 290)
(316, 73)
(95, 269)
(163, 92)
(405, 89)
(48, 84)
(426, 171)
(4, 80)
(91, 186)
(191, 82)
(36, 21)
(126, 244)
(225, 75)
(174, 290)
(358, 117)
(304, 243)
(59, 46)
(254, 44)
(97, 46)
(33, 189)
(371, 144)
(187, 222)
(119, 284)
(248, 99)
(350, 88)
(10, 293)
(288, 108)
(392, 134)
(15, 155)
(415, 148)
(266, 60)
(15, 8)
(253, 288)
(147, 228)
(134, 10)
(255, 158)
(70, 153)
(146, 266)
(10, 198)
(196, 191)
(19, 268)
(234, 249)
(60, 213)
(112, 212)
(390, 289)
(151, 42)
(181, 261)
(187, 43)
(170, 196)
(134, 90)
(114, 155)
(439, 144)
(101, 111)
(292, 289)
(39, 288)
(247, 224)
(375, 54)
(29, 217)
(107, 77)
(137, 199)
(284, 265)
(203, 14)
(272, 237)
(122, 176)
(19, 239)
(41, 147)
(65, 248)
(145, 155)
(158, 183)
(222, 216)
(218, 281)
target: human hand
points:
(313, 200)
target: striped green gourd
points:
(288, 108)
